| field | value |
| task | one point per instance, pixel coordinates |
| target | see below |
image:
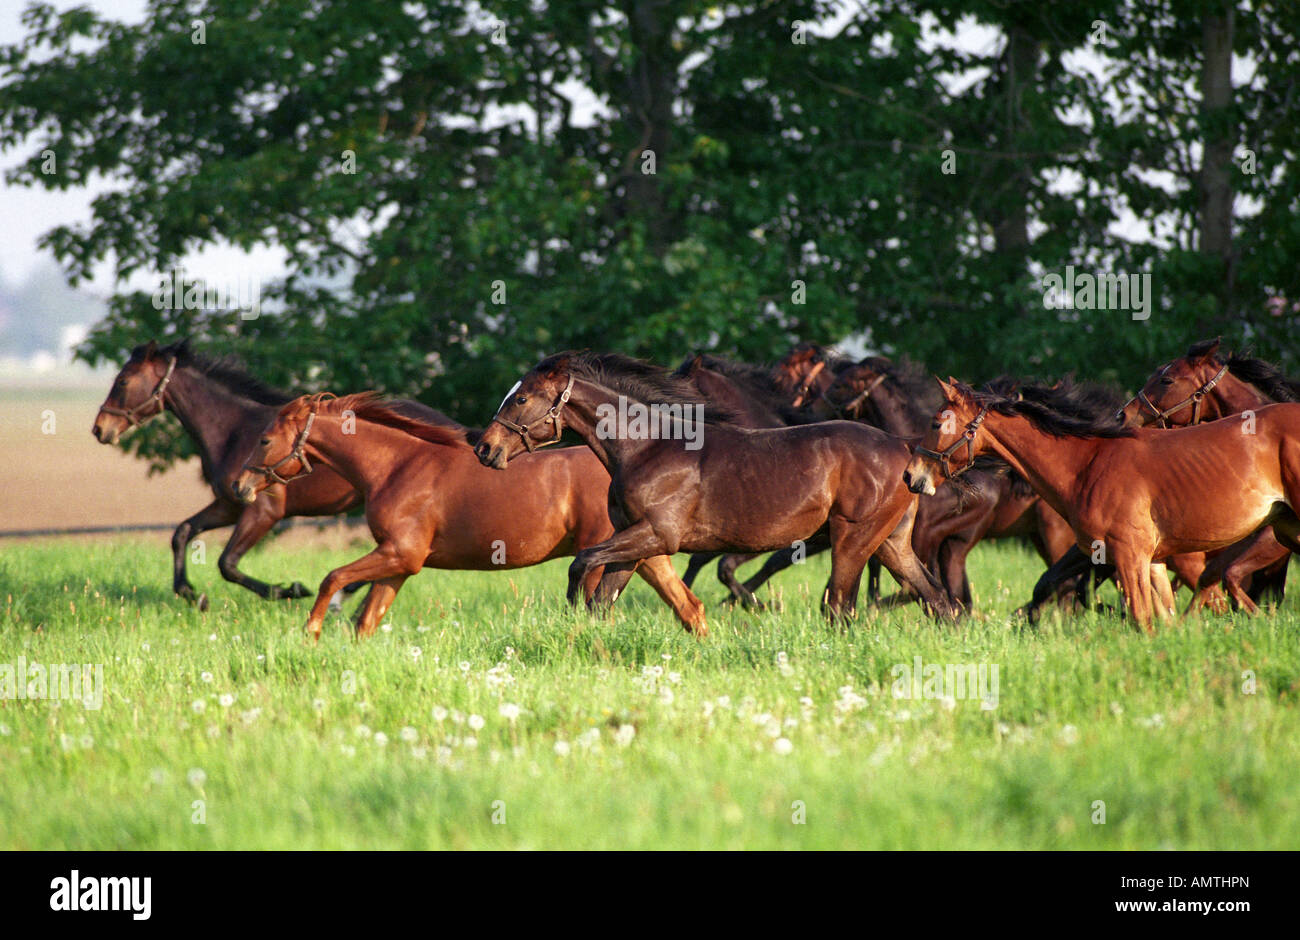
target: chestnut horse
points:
(1205, 385)
(1143, 494)
(429, 503)
(223, 409)
(684, 481)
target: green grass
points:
(1157, 728)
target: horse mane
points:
(1067, 409)
(834, 359)
(911, 380)
(757, 380)
(227, 371)
(379, 409)
(1265, 376)
(635, 378)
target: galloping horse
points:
(1206, 386)
(430, 504)
(223, 409)
(737, 490)
(1143, 494)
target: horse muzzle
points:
(490, 456)
(245, 489)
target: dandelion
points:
(196, 777)
(145, 647)
(1069, 734)
(199, 706)
(624, 735)
(665, 696)
(476, 722)
(158, 776)
(562, 748)
(508, 711)
(470, 742)
(226, 700)
(439, 714)
(362, 731)
(782, 746)
(416, 653)
(409, 734)
(205, 676)
(86, 742)
(318, 705)
(380, 739)
(464, 666)
(387, 628)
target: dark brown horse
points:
(430, 504)
(1142, 495)
(1208, 385)
(683, 481)
(223, 409)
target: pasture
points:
(487, 714)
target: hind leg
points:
(696, 564)
(895, 552)
(727, 575)
(659, 574)
(376, 604)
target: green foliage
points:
(413, 168)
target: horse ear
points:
(150, 348)
(560, 365)
(1211, 351)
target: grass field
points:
(488, 715)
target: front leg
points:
(633, 544)
(216, 514)
(388, 561)
(255, 521)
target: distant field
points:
(489, 715)
(67, 478)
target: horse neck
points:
(211, 413)
(366, 455)
(1233, 396)
(580, 413)
(898, 413)
(1051, 464)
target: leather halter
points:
(298, 453)
(856, 401)
(806, 384)
(552, 415)
(1193, 399)
(967, 440)
(132, 415)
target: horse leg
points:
(895, 552)
(727, 575)
(377, 603)
(1162, 591)
(254, 522)
(696, 564)
(659, 574)
(631, 545)
(779, 561)
(388, 560)
(1134, 572)
(216, 514)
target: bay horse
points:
(807, 371)
(1142, 494)
(688, 481)
(430, 504)
(1207, 385)
(753, 397)
(223, 409)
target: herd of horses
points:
(1198, 475)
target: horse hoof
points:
(203, 603)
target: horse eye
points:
(1166, 381)
(521, 399)
(266, 442)
(935, 426)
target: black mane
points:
(1265, 376)
(912, 381)
(635, 378)
(227, 371)
(1068, 409)
(758, 381)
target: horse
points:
(685, 480)
(1205, 385)
(807, 370)
(754, 399)
(1140, 494)
(430, 504)
(223, 409)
